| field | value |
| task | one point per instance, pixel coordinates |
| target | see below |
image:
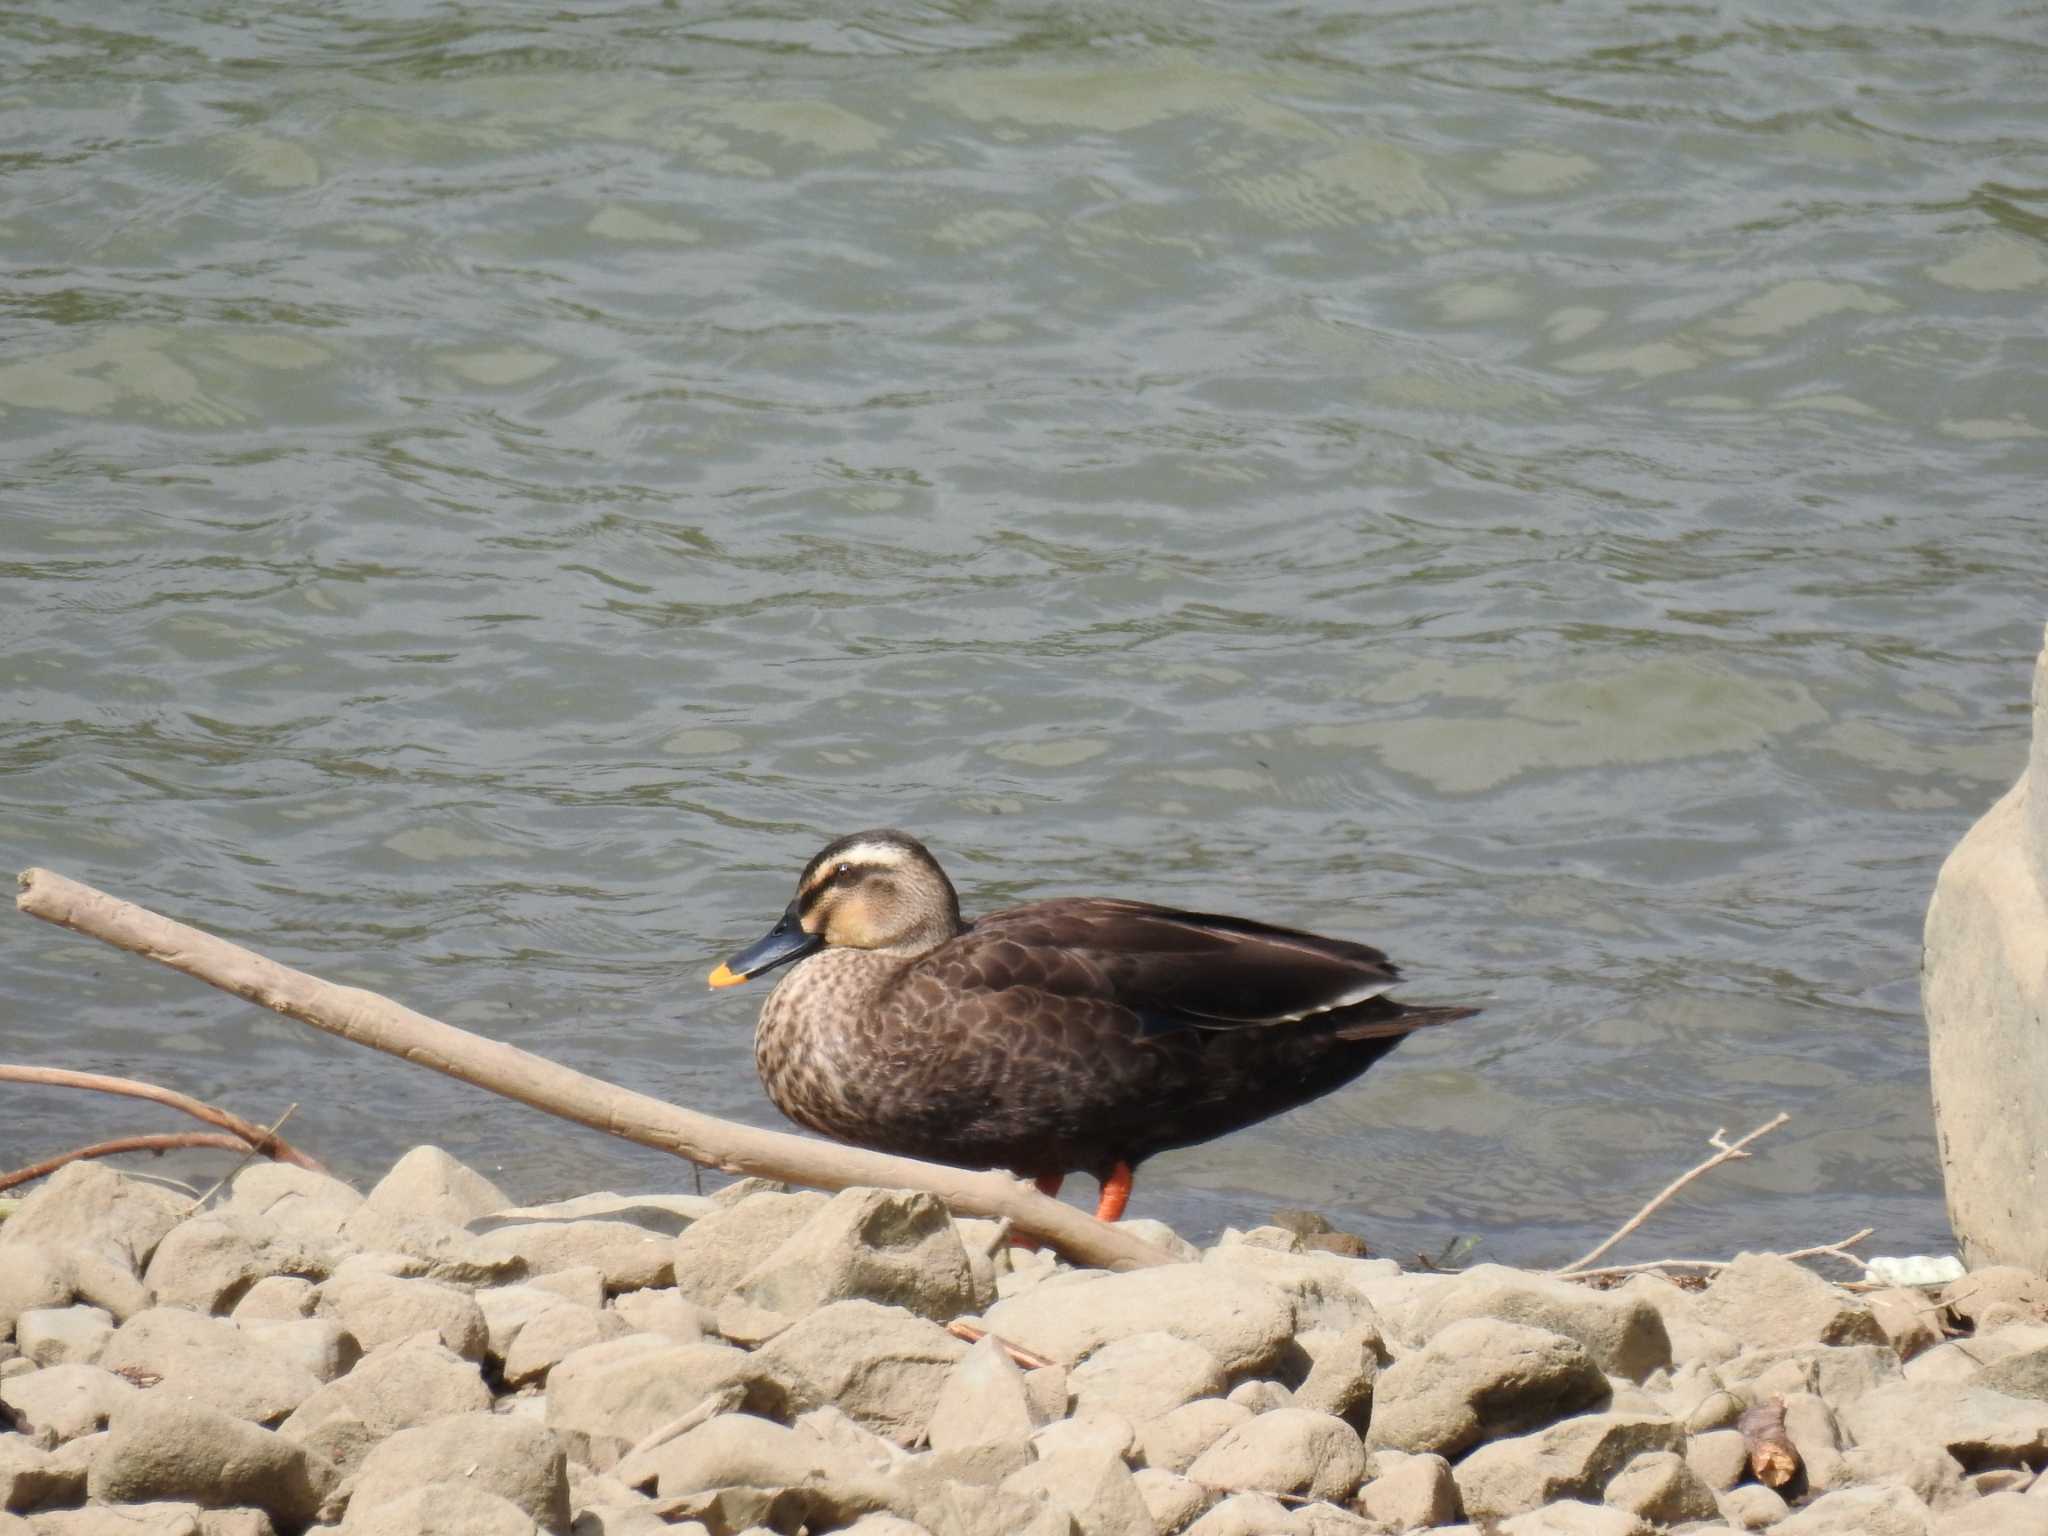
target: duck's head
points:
(878, 890)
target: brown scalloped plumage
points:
(1063, 1036)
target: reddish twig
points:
(269, 1143)
(974, 1333)
(169, 1141)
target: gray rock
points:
(62, 1402)
(1098, 1433)
(1410, 1493)
(1719, 1458)
(1144, 1376)
(1246, 1324)
(1575, 1518)
(55, 1335)
(1094, 1488)
(1243, 1514)
(1170, 1499)
(516, 1459)
(880, 1364)
(1482, 1379)
(1326, 1290)
(663, 1215)
(630, 1257)
(982, 1399)
(380, 1308)
(738, 1450)
(714, 1253)
(1752, 1506)
(1289, 1450)
(1766, 1301)
(1574, 1459)
(36, 1277)
(1810, 1426)
(894, 1247)
(605, 1398)
(210, 1360)
(664, 1310)
(580, 1283)
(1261, 1396)
(30, 1477)
(1662, 1488)
(555, 1335)
(277, 1298)
(969, 1509)
(427, 1182)
(426, 1245)
(1837, 1373)
(1907, 1318)
(1984, 988)
(298, 1200)
(1046, 1385)
(318, 1344)
(394, 1388)
(1623, 1333)
(1999, 1514)
(1693, 1339)
(1977, 1427)
(207, 1263)
(1173, 1441)
(166, 1447)
(443, 1509)
(1884, 1511)
(162, 1518)
(508, 1308)
(88, 1208)
(1345, 1374)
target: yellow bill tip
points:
(726, 976)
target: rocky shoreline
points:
(427, 1361)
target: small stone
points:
(425, 1245)
(1344, 1375)
(1481, 1379)
(1261, 1396)
(1246, 1324)
(1047, 1388)
(630, 1257)
(1410, 1493)
(1977, 1427)
(1768, 1301)
(165, 1447)
(1837, 1373)
(87, 1208)
(1718, 1457)
(1883, 1511)
(1907, 1318)
(1170, 1499)
(319, 1345)
(1573, 1459)
(394, 1388)
(1289, 1450)
(29, 1478)
(664, 1310)
(1100, 1432)
(605, 1398)
(1693, 1339)
(427, 1182)
(1623, 1334)
(983, 1398)
(883, 1365)
(380, 1308)
(209, 1261)
(1810, 1426)
(1661, 1488)
(1242, 1514)
(553, 1336)
(210, 1360)
(1144, 1376)
(62, 1402)
(56, 1335)
(1717, 1410)
(894, 1247)
(1572, 1517)
(445, 1509)
(295, 1200)
(1173, 1441)
(1752, 1506)
(2002, 1291)
(518, 1460)
(277, 1298)
(663, 1215)
(582, 1284)
(1999, 1514)
(738, 1450)
(712, 1255)
(1095, 1488)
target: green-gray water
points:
(1554, 490)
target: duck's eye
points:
(842, 871)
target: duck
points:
(1076, 1035)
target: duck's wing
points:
(1177, 970)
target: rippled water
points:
(1555, 491)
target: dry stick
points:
(266, 1142)
(1834, 1250)
(168, 1142)
(199, 1203)
(1728, 1152)
(367, 1019)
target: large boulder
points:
(165, 1447)
(882, 1365)
(1623, 1333)
(1482, 1379)
(211, 1360)
(1984, 988)
(1246, 1324)
(895, 1247)
(518, 1459)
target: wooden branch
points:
(169, 1142)
(366, 1018)
(269, 1143)
(1834, 1250)
(1727, 1152)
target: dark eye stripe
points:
(839, 874)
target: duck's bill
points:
(783, 943)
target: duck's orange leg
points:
(1116, 1193)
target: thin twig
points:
(269, 1130)
(168, 1141)
(1833, 1250)
(1727, 1151)
(95, 1082)
(628, 1469)
(974, 1333)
